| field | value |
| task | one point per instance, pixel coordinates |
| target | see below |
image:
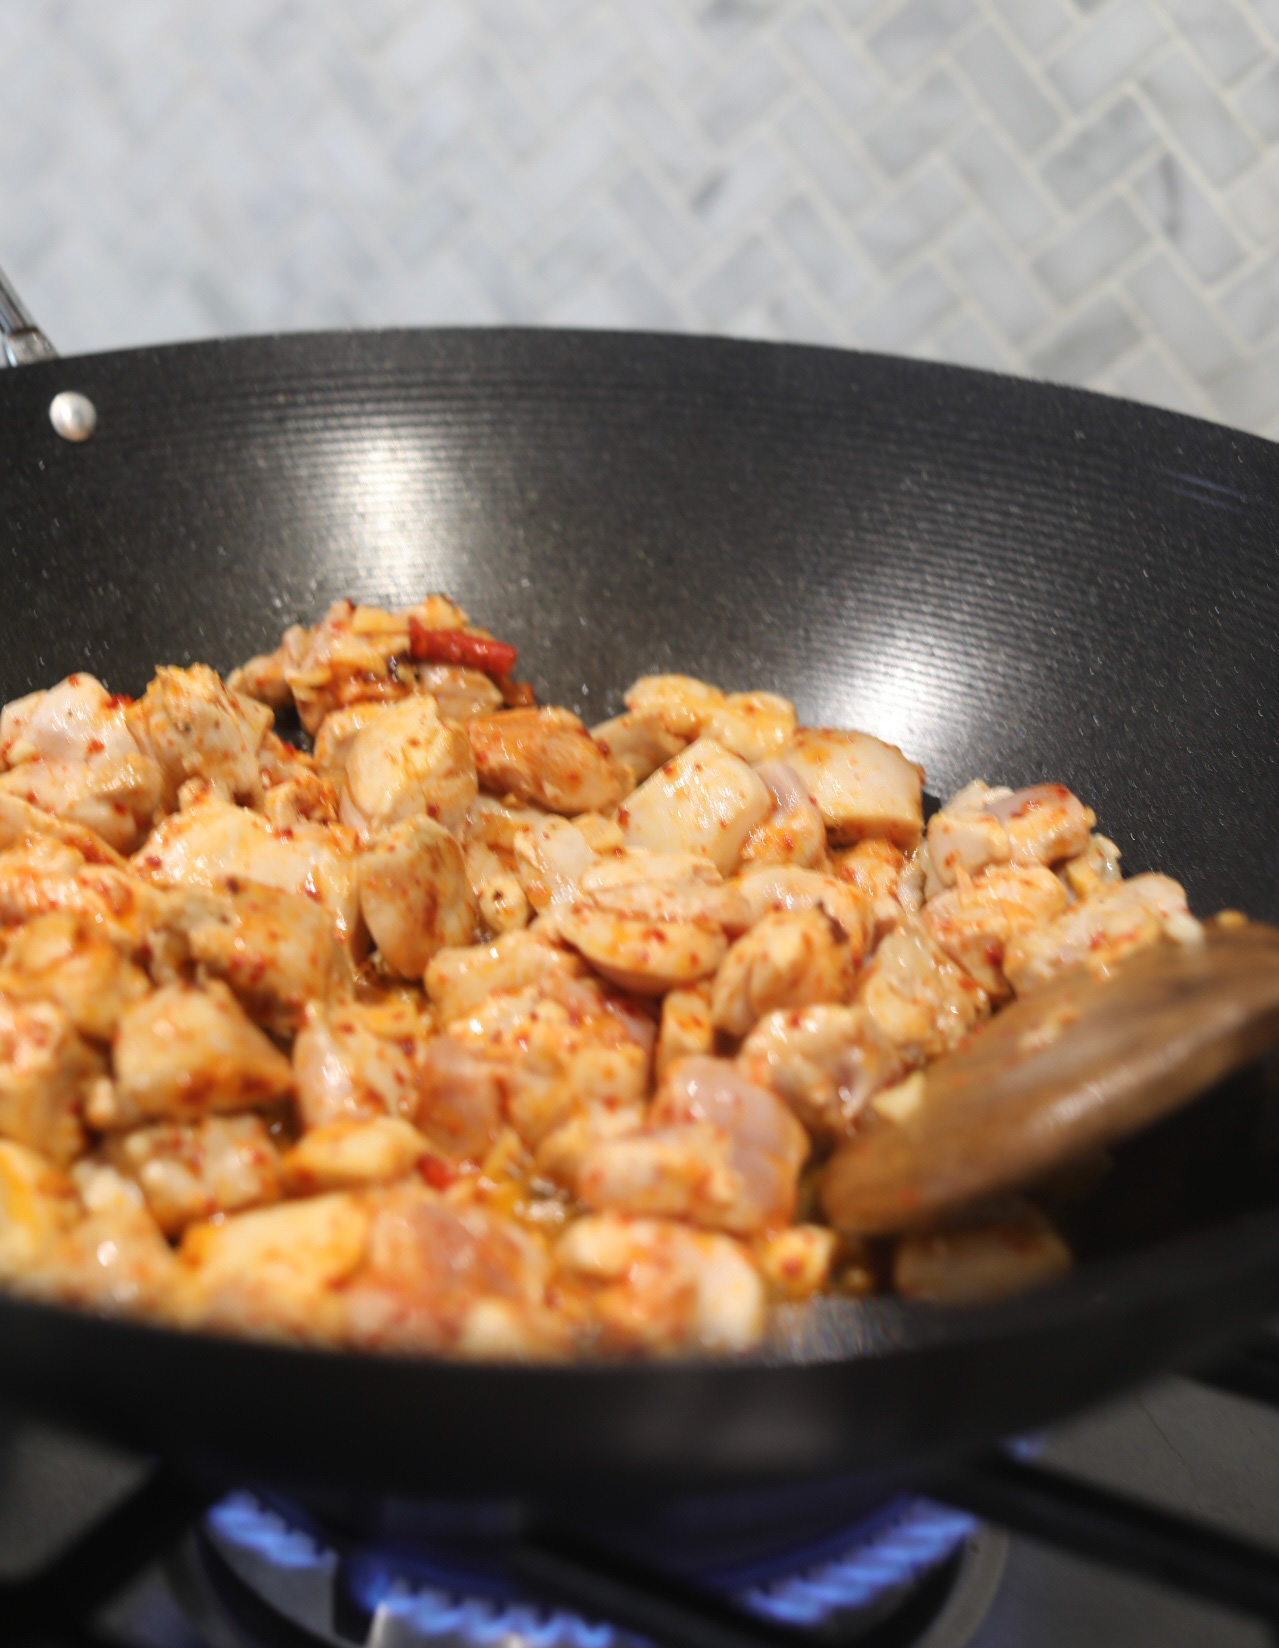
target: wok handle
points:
(21, 340)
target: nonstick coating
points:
(1010, 580)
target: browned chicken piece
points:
(793, 833)
(414, 895)
(544, 756)
(825, 1061)
(406, 761)
(354, 1061)
(190, 1171)
(636, 744)
(1120, 917)
(460, 981)
(67, 959)
(921, 1003)
(183, 1052)
(790, 958)
(194, 726)
(345, 1155)
(706, 801)
(46, 1072)
(753, 725)
(860, 785)
(989, 1253)
(687, 1027)
(975, 920)
(37, 1204)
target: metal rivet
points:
(73, 415)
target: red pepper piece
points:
(455, 646)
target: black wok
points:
(1010, 580)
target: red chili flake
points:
(119, 701)
(516, 695)
(95, 746)
(456, 646)
(438, 1174)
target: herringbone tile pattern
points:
(1086, 190)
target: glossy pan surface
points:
(1010, 580)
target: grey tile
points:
(479, 176)
(1090, 249)
(1036, 23)
(677, 58)
(1086, 345)
(746, 93)
(512, 294)
(1252, 304)
(598, 306)
(966, 342)
(1115, 42)
(422, 47)
(573, 256)
(1260, 102)
(1009, 93)
(1253, 202)
(911, 218)
(921, 300)
(1177, 314)
(1197, 117)
(726, 23)
(580, 65)
(1247, 394)
(668, 234)
(431, 133)
(578, 155)
(831, 58)
(785, 316)
(832, 265)
(826, 157)
(667, 138)
(1100, 151)
(982, 159)
(1265, 13)
(426, 223)
(492, 96)
(1002, 289)
(643, 302)
(917, 124)
(1151, 378)
(1180, 206)
(741, 279)
(1219, 31)
(742, 185)
(916, 30)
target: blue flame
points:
(897, 1552)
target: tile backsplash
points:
(1085, 190)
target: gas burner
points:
(910, 1571)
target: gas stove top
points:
(250, 1570)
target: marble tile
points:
(966, 342)
(1260, 102)
(995, 281)
(826, 158)
(828, 261)
(745, 185)
(737, 281)
(1197, 117)
(1091, 249)
(1165, 302)
(1247, 394)
(1151, 377)
(1100, 151)
(911, 219)
(1038, 24)
(1120, 38)
(918, 30)
(1004, 187)
(1252, 303)
(1027, 114)
(668, 234)
(1088, 344)
(1219, 32)
(916, 303)
(747, 92)
(1179, 204)
(831, 58)
(917, 125)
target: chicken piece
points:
(462, 980)
(344, 1155)
(192, 1171)
(784, 887)
(499, 825)
(559, 1155)
(194, 726)
(1119, 918)
(989, 1253)
(407, 762)
(974, 920)
(558, 1047)
(715, 1149)
(43, 875)
(792, 958)
(1096, 867)
(502, 904)
(303, 797)
(656, 1286)
(337, 733)
(274, 1271)
(550, 858)
(37, 1204)
(871, 868)
(686, 1028)
(46, 1069)
(860, 785)
(275, 950)
(262, 677)
(644, 956)
(754, 725)
(183, 1052)
(797, 1262)
(354, 1061)
(211, 842)
(440, 1277)
(460, 1109)
(414, 895)
(70, 723)
(920, 1001)
(793, 833)
(965, 835)
(636, 744)
(23, 825)
(825, 1061)
(706, 801)
(114, 1261)
(679, 704)
(65, 958)
(674, 887)
(544, 756)
(1045, 823)
(115, 796)
(459, 692)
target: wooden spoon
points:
(1084, 1061)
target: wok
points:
(1009, 579)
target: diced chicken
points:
(989, 1254)
(42, 875)
(825, 1061)
(636, 744)
(114, 1261)
(679, 704)
(192, 1171)
(338, 733)
(687, 1027)
(115, 796)
(461, 981)
(860, 785)
(414, 895)
(646, 956)
(657, 1286)
(551, 857)
(502, 903)
(70, 723)
(194, 726)
(920, 1002)
(1119, 918)
(37, 1204)
(183, 1052)
(974, 920)
(715, 1149)
(705, 801)
(304, 797)
(789, 959)
(66, 958)
(784, 887)
(346, 1154)
(545, 756)
(46, 1070)
(793, 833)
(754, 725)
(797, 1262)
(459, 692)
(1045, 823)
(354, 1061)
(407, 762)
